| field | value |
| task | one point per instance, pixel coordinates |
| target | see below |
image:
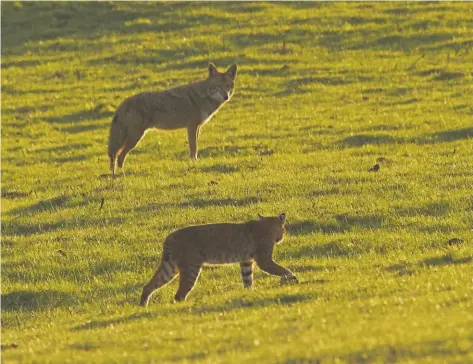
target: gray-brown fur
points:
(189, 106)
(246, 269)
(186, 250)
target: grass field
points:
(324, 92)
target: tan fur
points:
(186, 250)
(189, 106)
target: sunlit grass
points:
(324, 92)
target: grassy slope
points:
(358, 81)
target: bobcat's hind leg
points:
(165, 274)
(187, 280)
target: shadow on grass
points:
(446, 136)
(36, 301)
(220, 168)
(241, 60)
(103, 324)
(440, 74)
(366, 139)
(85, 346)
(87, 115)
(366, 221)
(64, 148)
(291, 91)
(10, 90)
(214, 152)
(109, 267)
(74, 158)
(442, 227)
(21, 64)
(220, 61)
(405, 42)
(89, 22)
(431, 209)
(447, 76)
(302, 268)
(334, 249)
(85, 22)
(261, 38)
(53, 204)
(403, 269)
(200, 203)
(446, 259)
(433, 138)
(11, 195)
(78, 129)
(294, 86)
(441, 260)
(377, 40)
(434, 350)
(344, 223)
(234, 304)
(10, 228)
(302, 228)
(131, 59)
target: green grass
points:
(354, 82)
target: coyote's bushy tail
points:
(116, 142)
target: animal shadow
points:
(101, 324)
(283, 299)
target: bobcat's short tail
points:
(116, 142)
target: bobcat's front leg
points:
(193, 136)
(267, 264)
(246, 269)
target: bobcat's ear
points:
(232, 71)
(212, 70)
(282, 217)
(260, 217)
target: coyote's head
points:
(222, 84)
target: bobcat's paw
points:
(288, 280)
(144, 302)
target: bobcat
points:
(189, 106)
(187, 249)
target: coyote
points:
(186, 250)
(189, 106)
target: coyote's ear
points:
(282, 217)
(232, 71)
(212, 70)
(260, 217)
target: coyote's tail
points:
(116, 142)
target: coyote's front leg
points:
(193, 137)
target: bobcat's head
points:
(222, 84)
(276, 225)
